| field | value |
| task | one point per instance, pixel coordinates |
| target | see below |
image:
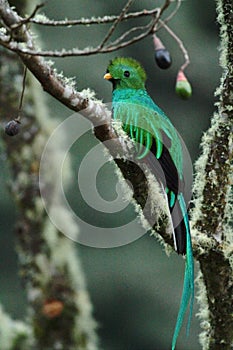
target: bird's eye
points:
(126, 73)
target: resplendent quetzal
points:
(153, 132)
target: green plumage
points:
(153, 132)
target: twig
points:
(179, 42)
(4, 40)
(165, 6)
(117, 21)
(123, 36)
(167, 19)
(119, 43)
(19, 48)
(172, 14)
(90, 21)
(29, 18)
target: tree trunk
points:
(212, 216)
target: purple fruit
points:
(12, 127)
(163, 58)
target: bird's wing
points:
(152, 131)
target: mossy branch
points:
(213, 216)
(92, 109)
(133, 35)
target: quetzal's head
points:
(126, 73)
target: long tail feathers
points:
(188, 286)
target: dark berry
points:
(12, 127)
(163, 58)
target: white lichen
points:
(75, 102)
(67, 92)
(3, 31)
(89, 94)
(41, 17)
(203, 313)
(11, 330)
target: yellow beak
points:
(107, 76)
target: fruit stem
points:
(22, 94)
(157, 43)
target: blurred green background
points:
(135, 289)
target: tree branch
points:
(17, 46)
(90, 21)
(92, 109)
(29, 18)
(116, 22)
